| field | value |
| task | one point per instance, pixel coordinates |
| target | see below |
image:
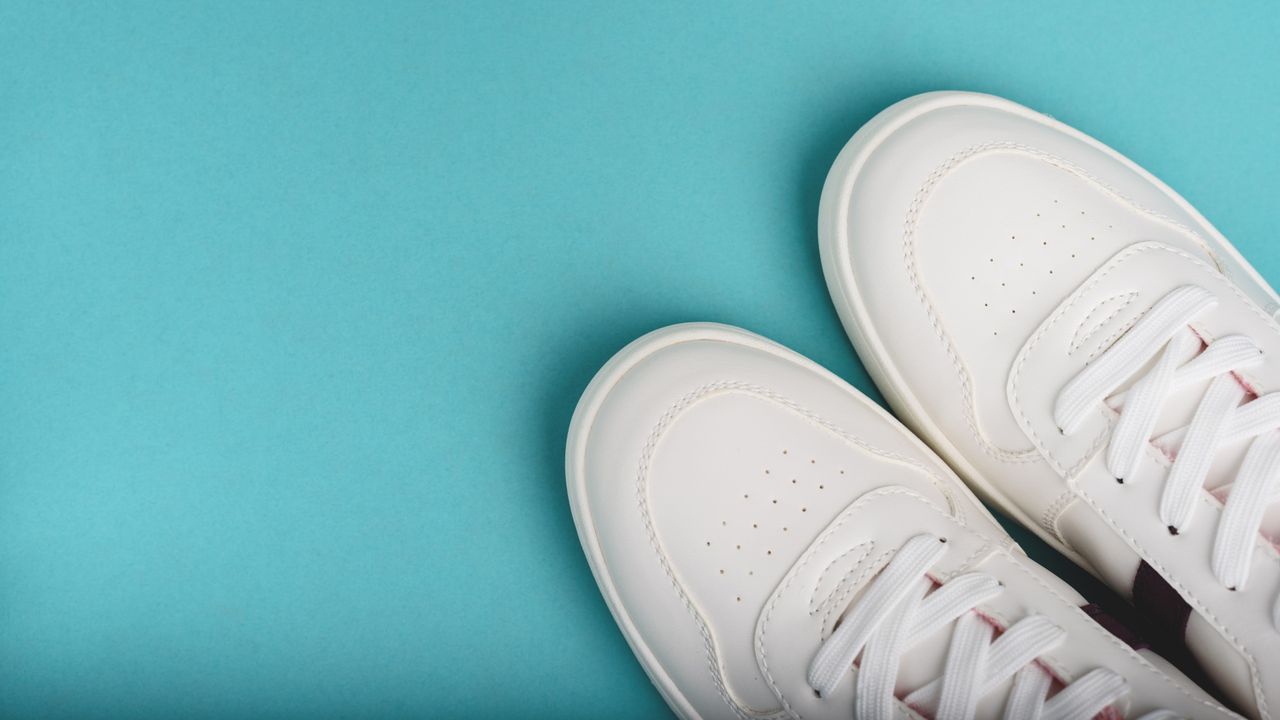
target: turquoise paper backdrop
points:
(296, 300)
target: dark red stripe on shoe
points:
(1162, 605)
(1163, 615)
(1122, 631)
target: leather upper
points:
(981, 255)
(735, 500)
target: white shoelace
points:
(1219, 419)
(897, 611)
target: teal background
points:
(296, 300)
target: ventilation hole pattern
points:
(758, 533)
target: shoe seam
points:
(809, 554)
(922, 195)
(866, 548)
(1081, 336)
(1259, 699)
(647, 451)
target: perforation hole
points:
(753, 534)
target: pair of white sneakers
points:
(1071, 337)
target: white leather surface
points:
(919, 229)
(1243, 617)
(677, 456)
(672, 450)
(890, 516)
(1002, 237)
(739, 485)
(792, 624)
(940, 225)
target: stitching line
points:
(1108, 340)
(1015, 380)
(642, 502)
(1104, 434)
(1049, 519)
(865, 548)
(763, 628)
(1116, 642)
(1081, 336)
(829, 617)
(1187, 595)
(922, 194)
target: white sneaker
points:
(1084, 349)
(772, 544)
